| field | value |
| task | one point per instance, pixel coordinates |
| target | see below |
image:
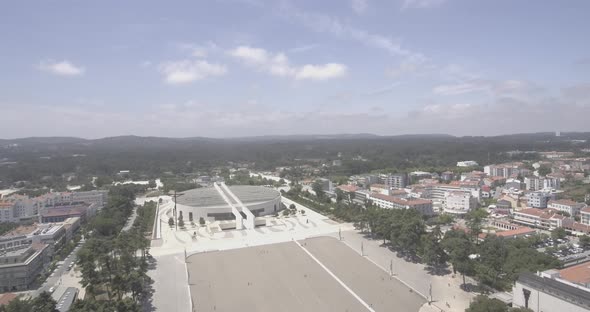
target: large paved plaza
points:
(223, 263)
(316, 274)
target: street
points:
(60, 278)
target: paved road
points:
(55, 280)
(170, 282)
(131, 219)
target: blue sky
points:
(231, 68)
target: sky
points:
(234, 68)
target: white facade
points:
(399, 180)
(467, 163)
(539, 199)
(571, 207)
(98, 197)
(16, 207)
(390, 202)
(585, 216)
(220, 210)
(458, 202)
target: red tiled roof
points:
(53, 212)
(579, 274)
(348, 188)
(6, 298)
(519, 231)
(563, 202)
(547, 213)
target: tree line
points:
(493, 261)
(114, 263)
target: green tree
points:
(152, 183)
(459, 248)
(558, 233)
(483, 303)
(544, 170)
(17, 305)
(475, 219)
(171, 221)
(339, 195)
(44, 303)
(584, 241)
(492, 257)
(318, 189)
(433, 253)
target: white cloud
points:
(321, 72)
(422, 4)
(460, 88)
(63, 68)
(410, 60)
(277, 64)
(322, 23)
(180, 72)
(359, 6)
(513, 88)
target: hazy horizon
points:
(339, 135)
(242, 68)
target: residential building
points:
(506, 170)
(20, 264)
(98, 197)
(585, 216)
(348, 188)
(7, 212)
(458, 202)
(503, 204)
(326, 184)
(467, 163)
(17, 207)
(447, 176)
(390, 202)
(60, 214)
(52, 235)
(380, 189)
(521, 231)
(399, 180)
(571, 207)
(514, 184)
(547, 219)
(539, 199)
(534, 183)
(437, 192)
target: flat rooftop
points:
(579, 274)
(284, 277)
(208, 196)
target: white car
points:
(51, 290)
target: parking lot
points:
(317, 274)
